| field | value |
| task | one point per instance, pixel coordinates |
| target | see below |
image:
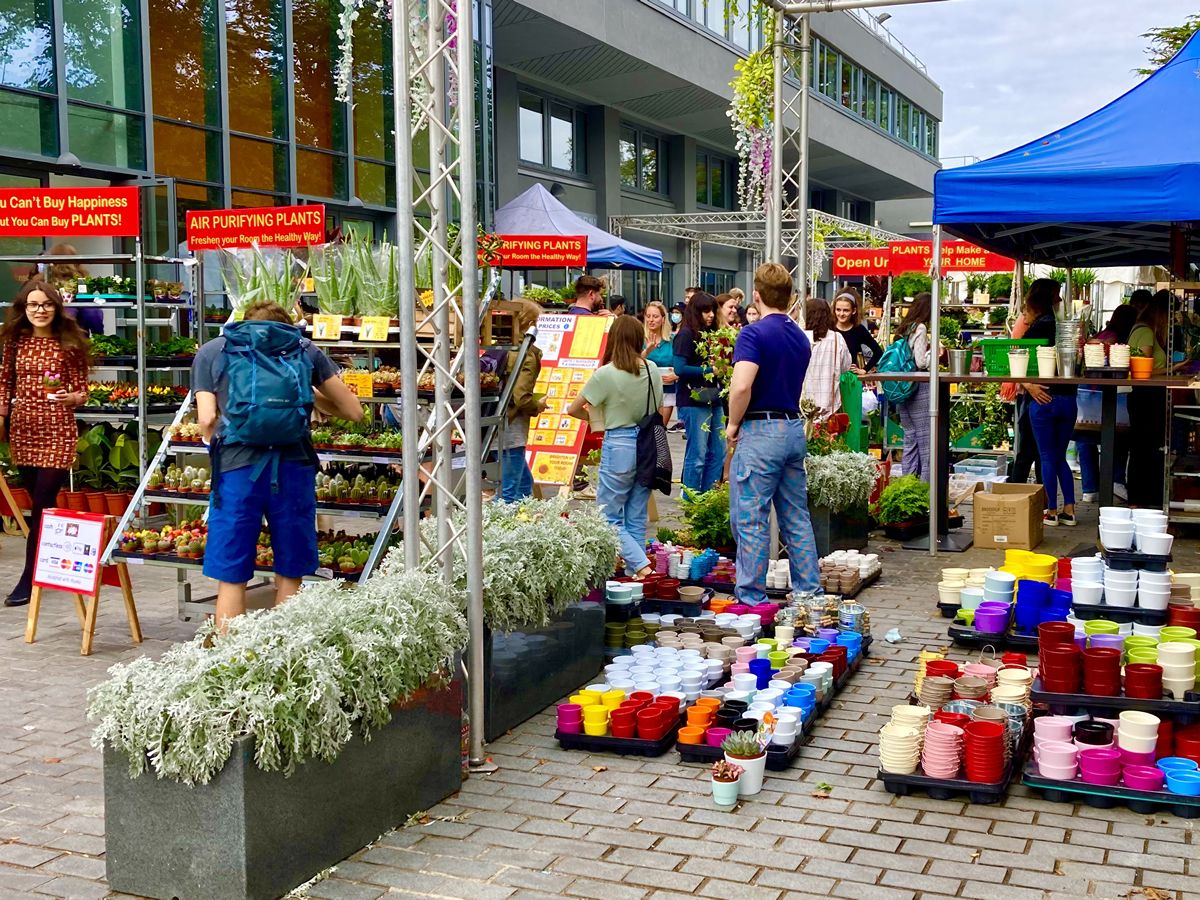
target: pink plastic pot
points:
(570, 727)
(1130, 758)
(714, 737)
(1143, 778)
(1058, 754)
(1100, 760)
(1108, 779)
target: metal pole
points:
(802, 262)
(410, 483)
(439, 199)
(775, 195)
(139, 291)
(935, 347)
(472, 440)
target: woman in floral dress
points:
(43, 378)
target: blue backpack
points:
(897, 359)
(269, 375)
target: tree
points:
(1165, 42)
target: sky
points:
(1014, 70)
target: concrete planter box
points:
(255, 834)
(529, 670)
(838, 532)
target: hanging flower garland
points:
(751, 115)
(418, 17)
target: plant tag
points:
(327, 328)
(374, 328)
(360, 383)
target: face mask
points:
(676, 318)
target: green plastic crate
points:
(995, 354)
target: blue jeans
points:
(704, 452)
(1053, 425)
(1088, 449)
(768, 468)
(623, 500)
(515, 477)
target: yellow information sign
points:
(374, 328)
(327, 328)
(359, 382)
(589, 336)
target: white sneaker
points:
(1090, 497)
(1119, 492)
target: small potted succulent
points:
(52, 382)
(725, 778)
(743, 749)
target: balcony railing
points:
(873, 25)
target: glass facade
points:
(552, 133)
(848, 84)
(715, 175)
(642, 160)
(741, 30)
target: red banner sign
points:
(542, 251)
(862, 261)
(70, 212)
(899, 257)
(269, 226)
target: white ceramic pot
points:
(752, 778)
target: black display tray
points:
(1188, 707)
(623, 746)
(1087, 611)
(1105, 372)
(949, 788)
(676, 607)
(1123, 560)
(105, 362)
(1101, 796)
(965, 636)
(776, 762)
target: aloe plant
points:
(333, 278)
(263, 274)
(376, 275)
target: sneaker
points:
(1090, 497)
(1067, 519)
(1119, 492)
(1050, 519)
(676, 428)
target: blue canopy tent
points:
(537, 212)
(1112, 189)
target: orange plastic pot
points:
(76, 501)
(1141, 367)
(116, 503)
(94, 501)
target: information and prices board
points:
(572, 347)
(68, 552)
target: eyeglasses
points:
(41, 307)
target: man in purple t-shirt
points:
(766, 429)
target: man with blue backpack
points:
(256, 387)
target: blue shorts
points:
(235, 521)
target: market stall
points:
(1098, 192)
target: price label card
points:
(327, 328)
(359, 382)
(374, 328)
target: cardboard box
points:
(1008, 516)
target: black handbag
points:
(654, 465)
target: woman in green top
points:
(624, 390)
(1148, 406)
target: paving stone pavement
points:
(557, 823)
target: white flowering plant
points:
(538, 558)
(841, 480)
(302, 679)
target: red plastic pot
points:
(668, 589)
(1184, 615)
(650, 725)
(1166, 739)
(1143, 681)
(1014, 659)
(1054, 634)
(621, 729)
(946, 667)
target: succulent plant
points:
(726, 771)
(743, 745)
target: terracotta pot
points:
(61, 500)
(117, 503)
(1141, 367)
(94, 501)
(22, 498)
(76, 501)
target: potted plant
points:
(706, 517)
(903, 508)
(743, 749)
(839, 488)
(1141, 363)
(725, 777)
(219, 743)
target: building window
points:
(871, 104)
(102, 45)
(552, 134)
(27, 45)
(716, 281)
(827, 79)
(640, 288)
(28, 124)
(643, 160)
(256, 76)
(714, 179)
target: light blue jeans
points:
(704, 452)
(768, 468)
(516, 479)
(623, 500)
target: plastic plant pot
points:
(1143, 778)
(1186, 783)
(726, 793)
(714, 737)
(752, 778)
(990, 621)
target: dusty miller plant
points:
(538, 558)
(840, 480)
(301, 679)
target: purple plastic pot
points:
(829, 634)
(1108, 779)
(570, 727)
(1143, 778)
(991, 621)
(1115, 641)
(1129, 758)
(995, 606)
(1081, 640)
(802, 643)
